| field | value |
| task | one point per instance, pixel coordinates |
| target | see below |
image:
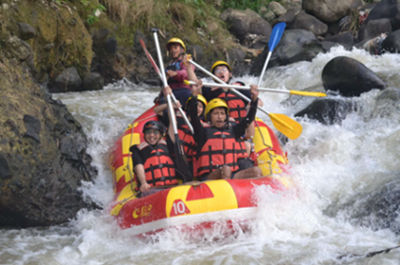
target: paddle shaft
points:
(292, 92)
(164, 79)
(153, 63)
(222, 82)
(264, 69)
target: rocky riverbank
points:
(61, 46)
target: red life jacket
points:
(158, 166)
(237, 106)
(186, 137)
(221, 148)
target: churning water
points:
(331, 165)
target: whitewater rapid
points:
(330, 165)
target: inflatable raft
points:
(193, 206)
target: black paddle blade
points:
(181, 164)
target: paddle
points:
(155, 67)
(274, 39)
(292, 92)
(287, 126)
(181, 165)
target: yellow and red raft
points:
(197, 206)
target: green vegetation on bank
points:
(195, 20)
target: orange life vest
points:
(186, 137)
(158, 166)
(221, 148)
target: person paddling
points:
(237, 106)
(177, 70)
(221, 153)
(153, 164)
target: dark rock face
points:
(43, 157)
(327, 111)
(349, 77)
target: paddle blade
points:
(276, 35)
(307, 93)
(286, 125)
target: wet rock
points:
(345, 39)
(374, 28)
(93, 81)
(392, 42)
(26, 31)
(295, 45)
(289, 16)
(349, 77)
(310, 23)
(40, 171)
(327, 111)
(5, 172)
(277, 8)
(389, 9)
(68, 80)
(245, 22)
(330, 11)
(378, 209)
(32, 126)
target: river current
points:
(330, 165)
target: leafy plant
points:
(93, 9)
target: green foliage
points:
(92, 8)
(243, 4)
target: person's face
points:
(218, 117)
(200, 108)
(152, 136)
(222, 72)
(175, 50)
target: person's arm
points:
(168, 91)
(141, 175)
(139, 168)
(240, 128)
(199, 131)
(159, 109)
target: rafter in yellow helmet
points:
(176, 40)
(218, 63)
(215, 103)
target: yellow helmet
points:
(201, 98)
(218, 63)
(215, 103)
(176, 40)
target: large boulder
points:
(310, 23)
(328, 10)
(43, 158)
(392, 42)
(295, 45)
(327, 111)
(244, 22)
(389, 9)
(349, 77)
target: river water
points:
(330, 165)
